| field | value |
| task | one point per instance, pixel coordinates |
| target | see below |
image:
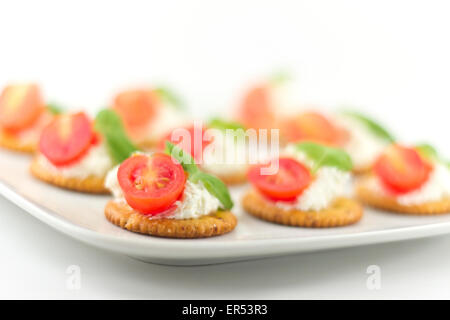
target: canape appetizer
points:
(23, 115)
(408, 180)
(167, 195)
(74, 153)
(310, 188)
(148, 114)
(360, 136)
(366, 139)
(219, 148)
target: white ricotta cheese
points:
(96, 162)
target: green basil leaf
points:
(54, 108)
(216, 187)
(430, 152)
(324, 156)
(109, 124)
(220, 124)
(169, 96)
(373, 126)
(427, 150)
(184, 158)
(279, 78)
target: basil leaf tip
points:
(324, 156)
(169, 96)
(54, 108)
(216, 187)
(371, 124)
(427, 150)
(430, 152)
(218, 123)
(110, 125)
(280, 77)
(184, 158)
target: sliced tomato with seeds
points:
(67, 138)
(312, 126)
(193, 140)
(20, 106)
(402, 169)
(151, 184)
(285, 185)
(136, 107)
(256, 110)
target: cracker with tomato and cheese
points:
(148, 114)
(167, 195)
(360, 136)
(76, 153)
(23, 115)
(310, 188)
(273, 104)
(412, 180)
(219, 147)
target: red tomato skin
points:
(64, 151)
(296, 176)
(149, 200)
(312, 126)
(26, 110)
(136, 108)
(402, 171)
(256, 110)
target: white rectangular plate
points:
(81, 216)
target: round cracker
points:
(342, 212)
(389, 203)
(360, 171)
(10, 142)
(234, 179)
(91, 184)
(211, 225)
(148, 144)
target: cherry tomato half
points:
(151, 184)
(136, 108)
(67, 138)
(20, 106)
(256, 110)
(402, 169)
(286, 185)
(312, 126)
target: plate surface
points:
(81, 216)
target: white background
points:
(390, 58)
